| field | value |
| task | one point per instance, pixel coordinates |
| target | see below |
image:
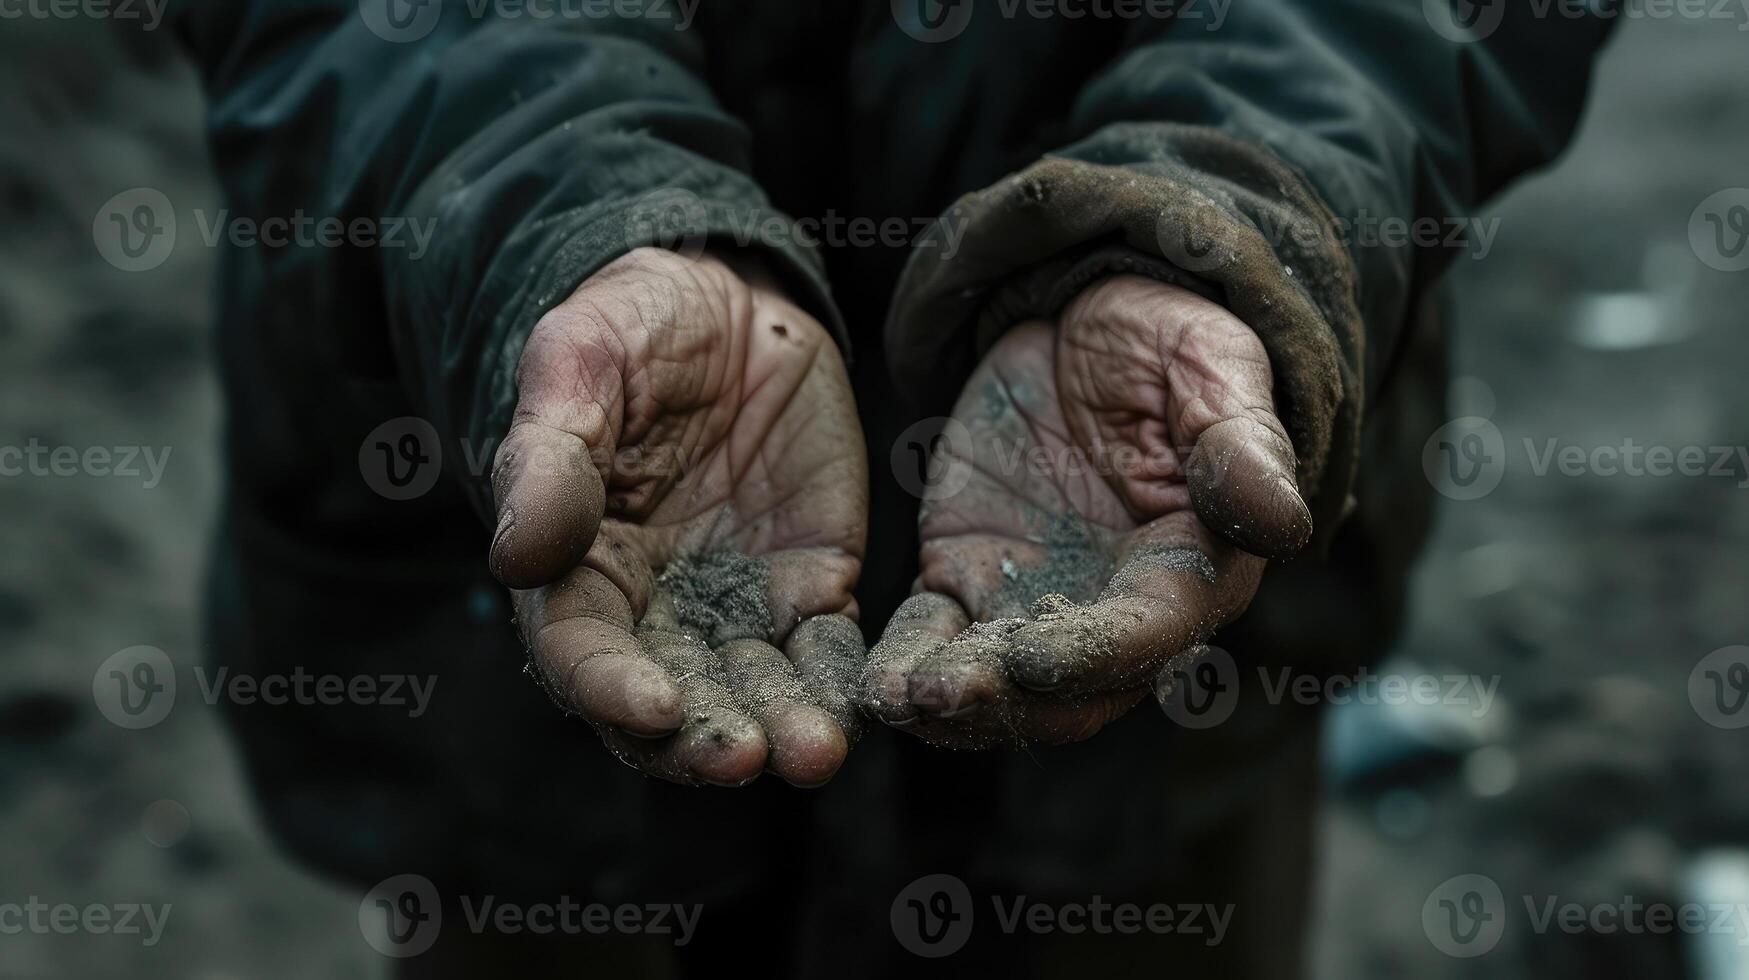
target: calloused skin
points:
(676, 406)
(1142, 421)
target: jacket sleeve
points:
(534, 151)
(1302, 161)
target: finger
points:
(549, 499)
(1243, 486)
(660, 615)
(991, 574)
(614, 555)
(965, 676)
(1175, 585)
(717, 742)
(922, 624)
(807, 582)
(829, 654)
(805, 744)
(967, 685)
(585, 656)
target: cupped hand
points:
(682, 512)
(1105, 496)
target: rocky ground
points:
(1591, 598)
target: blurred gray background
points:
(1590, 599)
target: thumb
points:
(1242, 484)
(549, 497)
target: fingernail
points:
(506, 521)
(934, 696)
(1037, 673)
(1033, 664)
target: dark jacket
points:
(1073, 146)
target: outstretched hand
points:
(682, 511)
(1105, 497)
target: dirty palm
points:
(1104, 497)
(695, 609)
